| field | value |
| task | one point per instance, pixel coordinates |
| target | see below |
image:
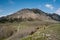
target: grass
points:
(50, 33)
(45, 29)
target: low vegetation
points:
(49, 33)
(28, 30)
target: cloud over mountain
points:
(58, 11)
(49, 6)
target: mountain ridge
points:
(30, 14)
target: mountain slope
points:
(49, 33)
(55, 16)
(30, 24)
(29, 15)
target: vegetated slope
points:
(7, 30)
(16, 31)
(51, 32)
(36, 30)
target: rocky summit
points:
(30, 15)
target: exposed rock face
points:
(29, 15)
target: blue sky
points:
(11, 6)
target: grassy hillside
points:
(51, 32)
(30, 30)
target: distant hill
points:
(55, 16)
(30, 15)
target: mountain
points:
(55, 16)
(30, 15)
(30, 24)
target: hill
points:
(30, 24)
(30, 15)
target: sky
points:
(8, 7)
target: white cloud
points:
(2, 15)
(58, 11)
(1, 10)
(49, 6)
